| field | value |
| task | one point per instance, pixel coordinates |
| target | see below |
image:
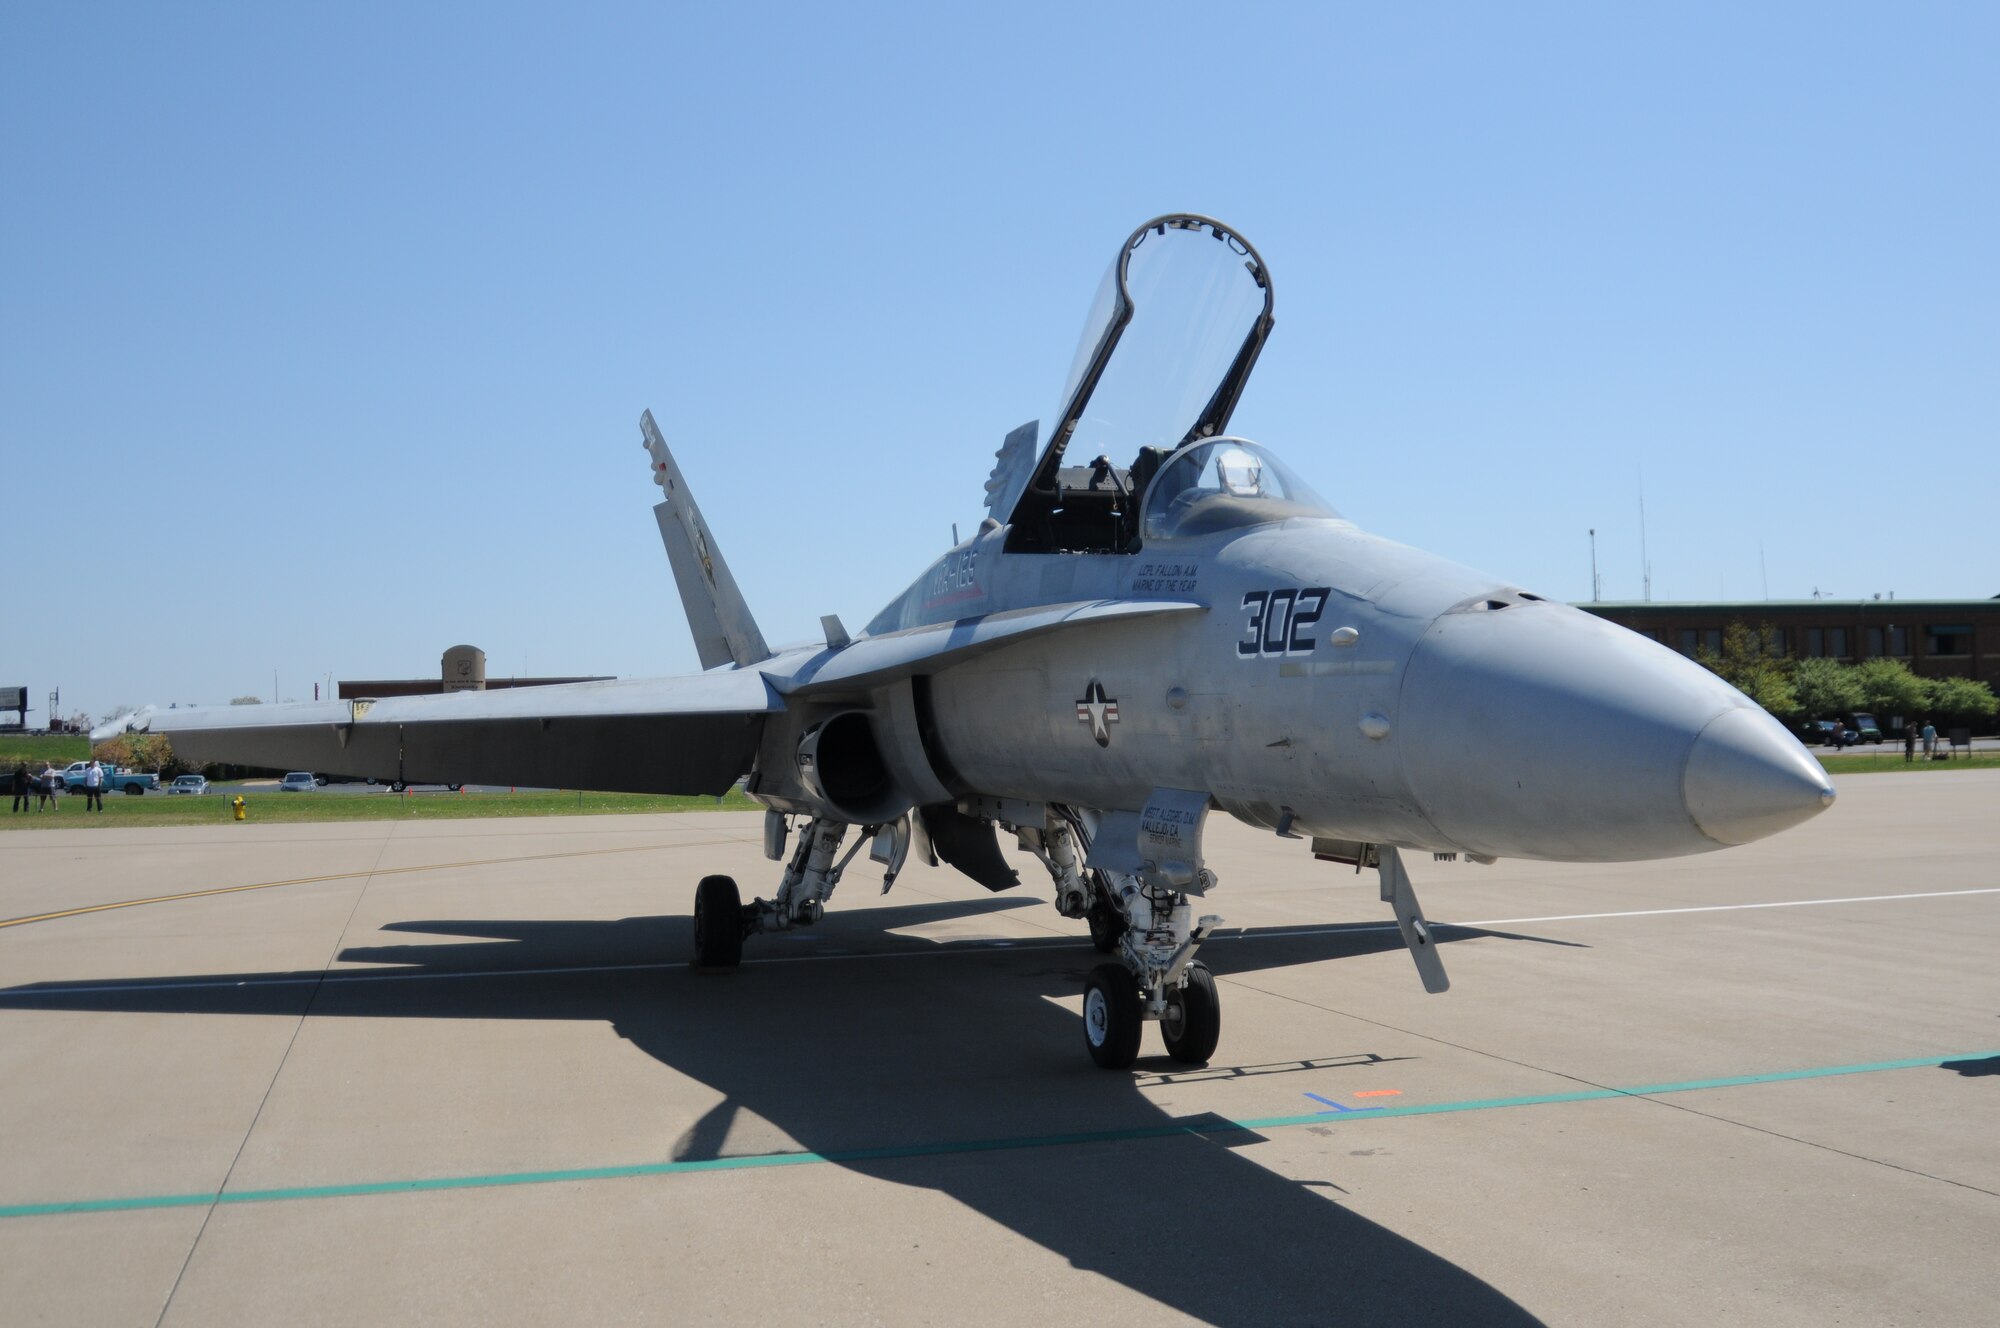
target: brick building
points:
(1936, 637)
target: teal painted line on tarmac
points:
(892, 1152)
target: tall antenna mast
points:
(1645, 559)
(1596, 584)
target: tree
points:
(1961, 701)
(1751, 662)
(144, 751)
(1888, 688)
(1825, 688)
(246, 700)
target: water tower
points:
(465, 669)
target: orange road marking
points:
(1381, 1092)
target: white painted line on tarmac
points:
(1725, 908)
(338, 977)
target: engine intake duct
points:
(841, 764)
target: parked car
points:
(195, 784)
(1864, 726)
(1825, 733)
(299, 781)
(113, 778)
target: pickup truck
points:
(131, 781)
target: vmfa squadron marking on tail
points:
(1156, 622)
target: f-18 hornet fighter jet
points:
(1157, 621)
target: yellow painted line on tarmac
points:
(344, 876)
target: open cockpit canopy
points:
(1171, 338)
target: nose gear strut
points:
(1151, 929)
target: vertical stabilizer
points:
(1013, 467)
(724, 631)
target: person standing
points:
(50, 784)
(93, 788)
(1930, 740)
(20, 786)
(1909, 742)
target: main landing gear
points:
(722, 920)
(718, 925)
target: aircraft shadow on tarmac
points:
(1973, 1069)
(933, 1058)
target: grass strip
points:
(1882, 763)
(268, 806)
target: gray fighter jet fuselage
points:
(1347, 687)
(1177, 626)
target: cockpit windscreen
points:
(1223, 484)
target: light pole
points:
(1596, 586)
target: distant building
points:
(1937, 638)
(463, 669)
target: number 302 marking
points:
(1279, 622)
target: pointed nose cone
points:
(1539, 731)
(1747, 778)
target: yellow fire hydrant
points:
(238, 805)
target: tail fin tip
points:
(724, 629)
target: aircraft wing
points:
(878, 659)
(694, 734)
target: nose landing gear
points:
(1115, 1013)
(1153, 931)
(1192, 1024)
(1112, 1016)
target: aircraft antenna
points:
(1645, 559)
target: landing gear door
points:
(1160, 843)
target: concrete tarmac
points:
(458, 1072)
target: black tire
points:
(1107, 927)
(718, 925)
(455, 788)
(135, 790)
(1112, 1019)
(1193, 1022)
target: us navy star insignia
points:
(1097, 710)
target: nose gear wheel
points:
(1192, 1024)
(1112, 1016)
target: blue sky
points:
(327, 330)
